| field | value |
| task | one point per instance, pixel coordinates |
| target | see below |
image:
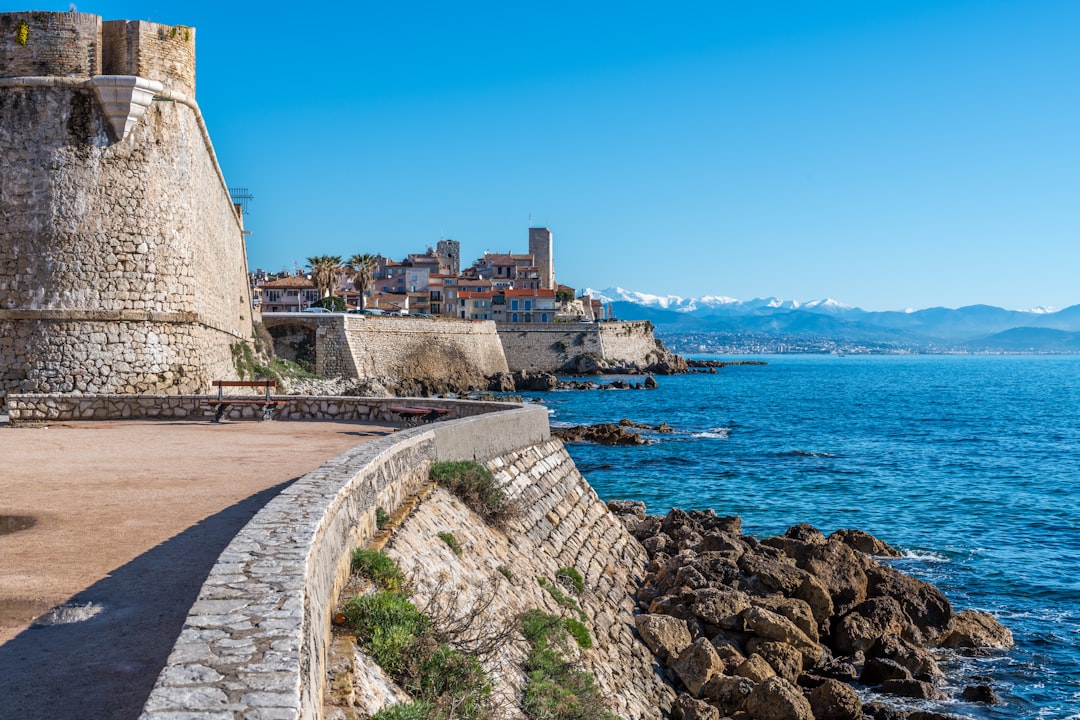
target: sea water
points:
(970, 465)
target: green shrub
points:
(570, 576)
(380, 568)
(387, 625)
(449, 678)
(562, 598)
(476, 487)
(382, 518)
(506, 572)
(579, 632)
(452, 542)
(404, 711)
(555, 688)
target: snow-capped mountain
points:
(978, 327)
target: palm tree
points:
(362, 266)
(324, 269)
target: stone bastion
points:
(122, 261)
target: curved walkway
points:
(129, 517)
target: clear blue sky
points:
(885, 153)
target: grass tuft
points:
(475, 486)
(451, 542)
(380, 568)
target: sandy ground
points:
(125, 519)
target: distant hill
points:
(724, 324)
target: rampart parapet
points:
(80, 45)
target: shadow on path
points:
(106, 666)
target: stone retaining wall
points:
(562, 524)
(255, 643)
(25, 409)
(546, 348)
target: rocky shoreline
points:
(795, 627)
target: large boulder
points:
(918, 660)
(919, 689)
(785, 660)
(728, 693)
(795, 610)
(876, 671)
(778, 699)
(865, 543)
(858, 630)
(756, 668)
(666, 636)
(766, 575)
(840, 570)
(688, 707)
(926, 607)
(834, 700)
(696, 664)
(768, 625)
(970, 629)
(722, 608)
(817, 597)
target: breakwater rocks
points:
(795, 627)
(711, 366)
(610, 433)
(524, 381)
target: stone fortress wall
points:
(546, 348)
(363, 346)
(122, 261)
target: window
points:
(528, 304)
(514, 316)
(514, 305)
(543, 317)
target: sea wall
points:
(451, 353)
(548, 348)
(255, 642)
(562, 523)
(122, 261)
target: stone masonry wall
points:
(164, 53)
(563, 524)
(629, 342)
(547, 347)
(57, 43)
(100, 237)
(255, 643)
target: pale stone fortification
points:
(122, 263)
(547, 348)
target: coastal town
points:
(505, 287)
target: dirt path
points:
(125, 519)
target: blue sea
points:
(968, 464)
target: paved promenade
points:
(125, 520)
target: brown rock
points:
(925, 606)
(696, 664)
(775, 575)
(795, 610)
(865, 543)
(980, 694)
(834, 700)
(785, 661)
(688, 707)
(771, 626)
(722, 608)
(814, 593)
(666, 636)
(868, 621)
(777, 699)
(880, 711)
(877, 670)
(970, 629)
(728, 693)
(919, 689)
(918, 661)
(840, 570)
(755, 668)
(602, 434)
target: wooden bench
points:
(411, 416)
(222, 403)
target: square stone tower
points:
(540, 249)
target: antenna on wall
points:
(241, 196)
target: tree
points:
(362, 268)
(324, 269)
